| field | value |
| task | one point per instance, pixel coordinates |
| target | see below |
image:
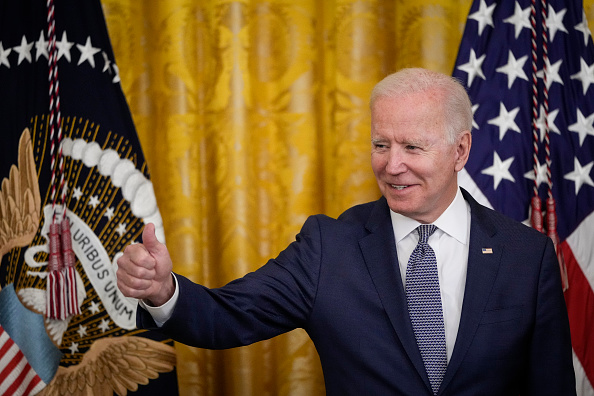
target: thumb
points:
(149, 239)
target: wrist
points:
(165, 294)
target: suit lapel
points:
(482, 271)
(379, 252)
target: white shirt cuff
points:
(162, 313)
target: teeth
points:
(398, 187)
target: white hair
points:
(456, 106)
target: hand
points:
(144, 271)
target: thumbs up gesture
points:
(144, 271)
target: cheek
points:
(377, 163)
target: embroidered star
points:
(520, 19)
(474, 109)
(76, 193)
(121, 229)
(64, 47)
(580, 175)
(513, 69)
(106, 62)
(94, 307)
(104, 325)
(24, 50)
(116, 77)
(585, 75)
(109, 213)
(73, 348)
(499, 170)
(552, 73)
(87, 52)
(583, 28)
(484, 16)
(541, 174)
(555, 22)
(82, 331)
(94, 201)
(4, 55)
(583, 126)
(540, 123)
(473, 67)
(41, 47)
(505, 120)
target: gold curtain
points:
(253, 115)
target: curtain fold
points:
(253, 115)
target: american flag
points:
(525, 65)
(16, 374)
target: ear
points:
(463, 150)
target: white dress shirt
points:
(450, 244)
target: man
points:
(394, 305)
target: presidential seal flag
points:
(74, 192)
(529, 69)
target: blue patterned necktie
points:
(424, 307)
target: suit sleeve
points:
(276, 298)
(551, 364)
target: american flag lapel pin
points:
(487, 251)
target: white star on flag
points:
(583, 28)
(514, 68)
(540, 123)
(541, 174)
(555, 22)
(583, 126)
(580, 175)
(499, 170)
(473, 67)
(87, 52)
(41, 47)
(24, 51)
(64, 47)
(505, 120)
(552, 73)
(585, 75)
(4, 55)
(474, 109)
(484, 16)
(520, 19)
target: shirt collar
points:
(453, 221)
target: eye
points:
(411, 147)
(379, 145)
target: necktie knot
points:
(425, 231)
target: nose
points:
(395, 162)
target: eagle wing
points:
(20, 200)
(116, 364)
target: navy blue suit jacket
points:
(340, 282)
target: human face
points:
(415, 167)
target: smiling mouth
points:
(398, 187)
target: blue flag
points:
(70, 161)
(529, 71)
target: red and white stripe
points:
(17, 377)
(579, 258)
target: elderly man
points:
(422, 292)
